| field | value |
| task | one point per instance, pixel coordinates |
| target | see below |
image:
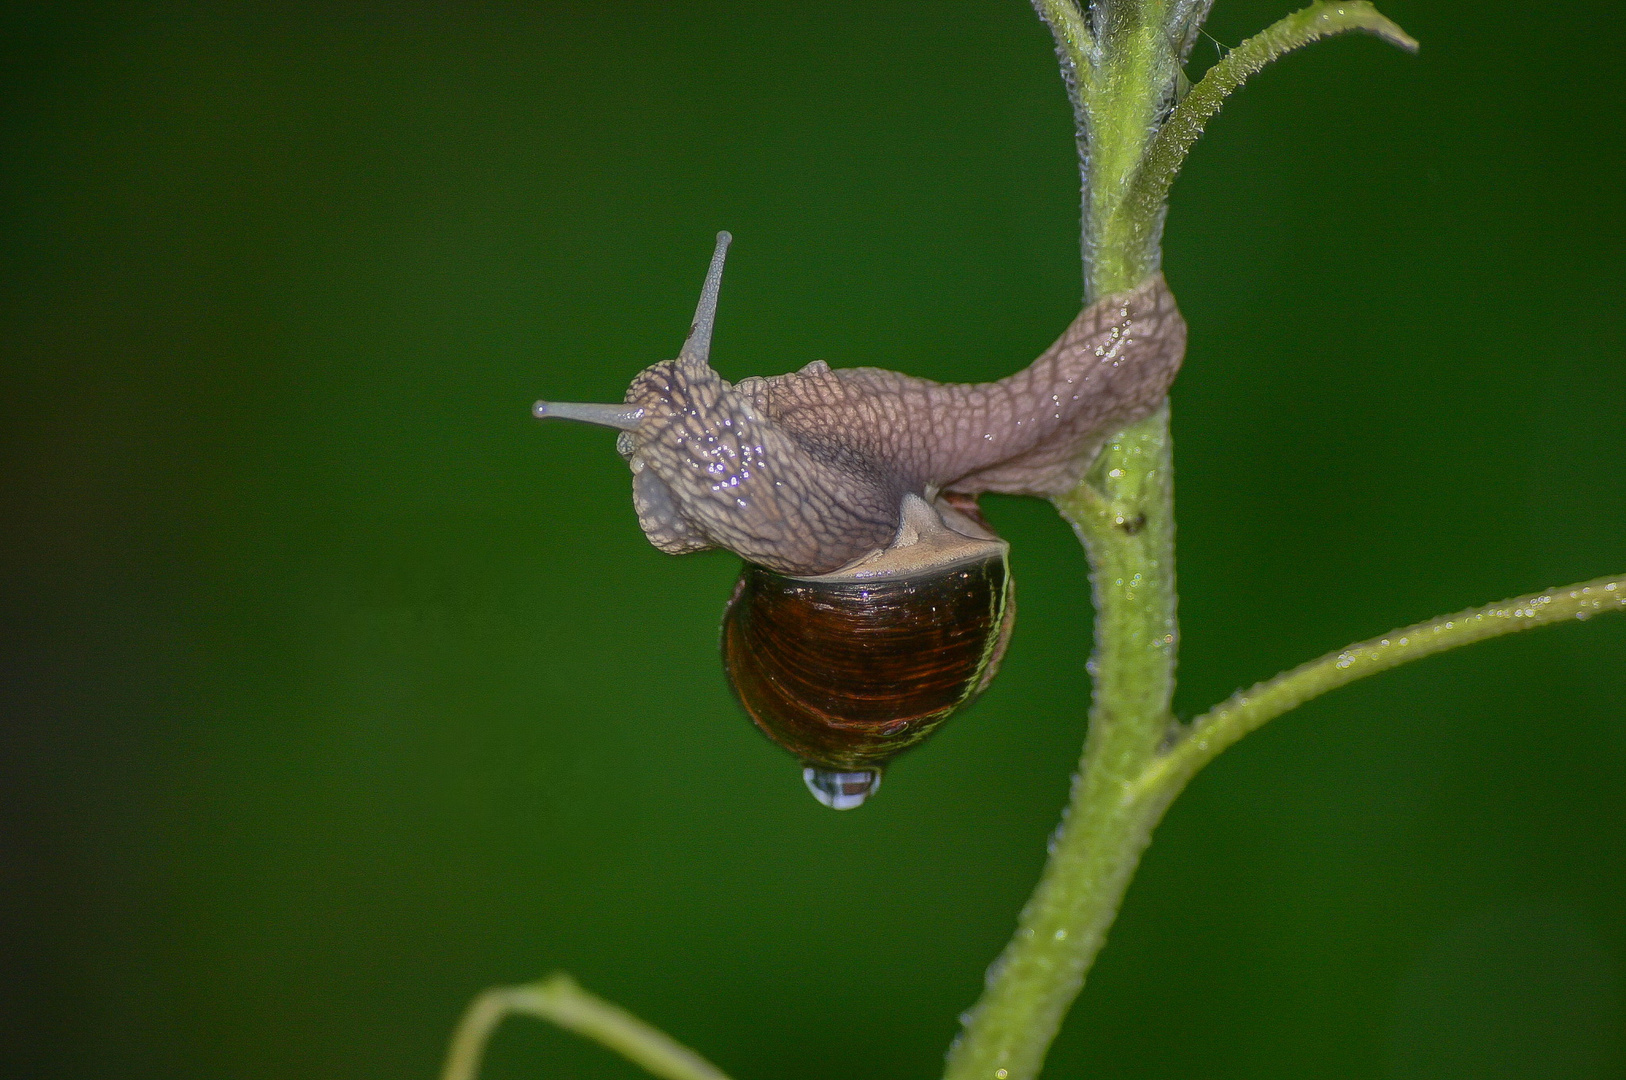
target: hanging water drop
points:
(841, 790)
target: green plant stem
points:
(1134, 75)
(1118, 78)
(1122, 74)
(558, 999)
(1248, 710)
(1124, 516)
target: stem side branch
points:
(1142, 209)
(1248, 710)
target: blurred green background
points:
(338, 689)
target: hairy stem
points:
(1122, 70)
(1124, 515)
(1134, 78)
(1248, 710)
(558, 999)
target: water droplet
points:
(841, 790)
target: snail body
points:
(874, 600)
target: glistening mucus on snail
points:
(874, 600)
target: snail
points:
(874, 600)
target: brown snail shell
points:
(874, 600)
(846, 670)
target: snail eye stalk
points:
(616, 416)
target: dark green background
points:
(338, 689)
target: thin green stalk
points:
(1138, 221)
(558, 999)
(1124, 515)
(1248, 710)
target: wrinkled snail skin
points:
(874, 600)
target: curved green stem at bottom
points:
(558, 999)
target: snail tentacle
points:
(698, 343)
(616, 416)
